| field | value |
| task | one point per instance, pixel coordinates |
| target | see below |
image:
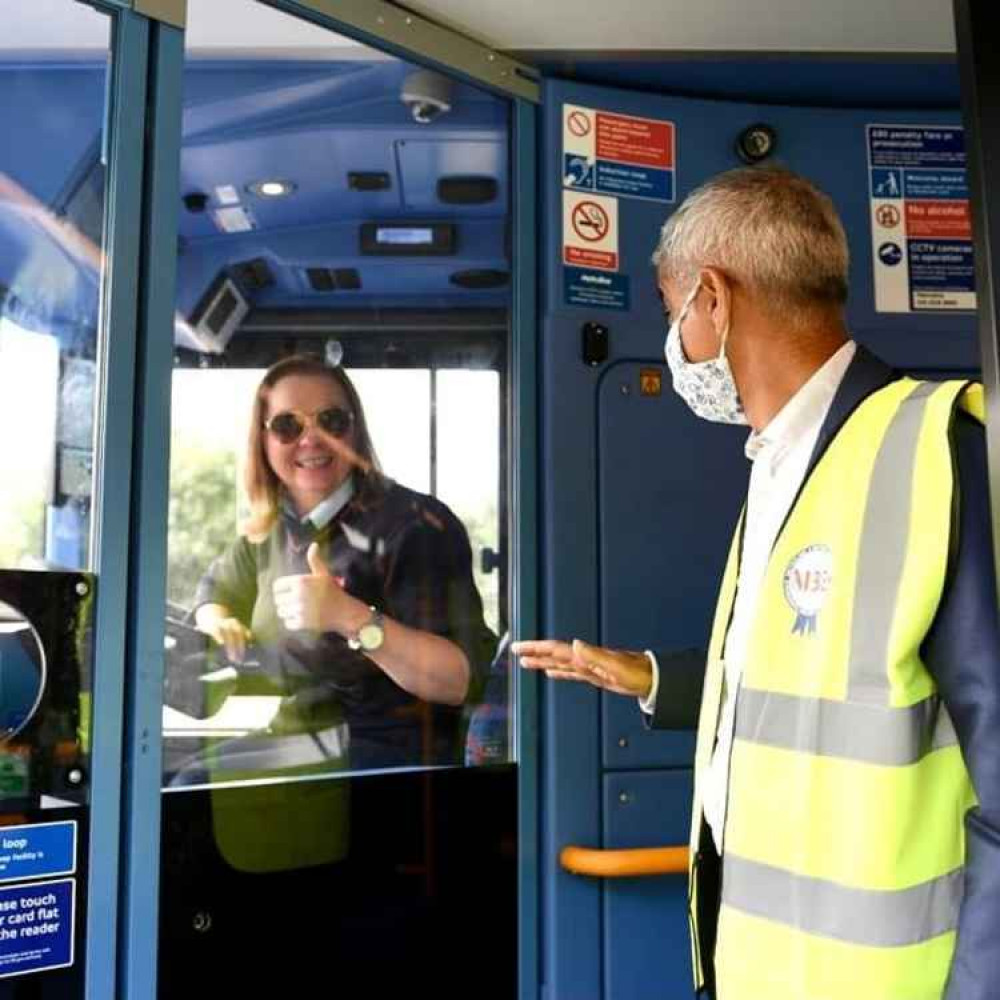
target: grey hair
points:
(766, 227)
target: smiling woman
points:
(355, 591)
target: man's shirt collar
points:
(804, 413)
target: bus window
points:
(364, 265)
(441, 434)
(29, 397)
(51, 270)
(52, 361)
(335, 678)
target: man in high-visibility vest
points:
(846, 823)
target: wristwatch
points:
(371, 635)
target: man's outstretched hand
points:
(615, 670)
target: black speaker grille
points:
(254, 274)
(325, 279)
(484, 278)
(368, 180)
(467, 190)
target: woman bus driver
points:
(359, 590)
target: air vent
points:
(254, 274)
(325, 279)
(347, 279)
(321, 279)
(467, 190)
(368, 180)
(484, 278)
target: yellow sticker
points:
(650, 381)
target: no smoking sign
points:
(590, 222)
(590, 230)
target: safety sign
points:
(36, 927)
(618, 154)
(921, 224)
(38, 850)
(590, 231)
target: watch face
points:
(370, 636)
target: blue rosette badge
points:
(807, 584)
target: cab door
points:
(641, 498)
(360, 209)
(73, 78)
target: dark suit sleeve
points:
(678, 699)
(962, 651)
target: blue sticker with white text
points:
(37, 851)
(596, 289)
(36, 927)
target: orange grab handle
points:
(625, 864)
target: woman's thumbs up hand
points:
(311, 600)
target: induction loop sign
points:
(618, 154)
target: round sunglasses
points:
(289, 425)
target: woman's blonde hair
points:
(262, 486)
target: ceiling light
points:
(271, 189)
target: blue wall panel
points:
(648, 955)
(670, 488)
(638, 501)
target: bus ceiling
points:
(359, 186)
(346, 182)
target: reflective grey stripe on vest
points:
(884, 537)
(878, 918)
(872, 734)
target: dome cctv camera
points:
(756, 143)
(427, 95)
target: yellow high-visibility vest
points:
(844, 847)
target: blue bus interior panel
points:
(55, 105)
(670, 488)
(639, 499)
(646, 919)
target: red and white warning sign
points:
(579, 121)
(578, 131)
(590, 230)
(621, 155)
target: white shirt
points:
(326, 510)
(780, 454)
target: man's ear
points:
(719, 300)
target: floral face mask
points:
(707, 387)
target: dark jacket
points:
(962, 653)
(408, 555)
